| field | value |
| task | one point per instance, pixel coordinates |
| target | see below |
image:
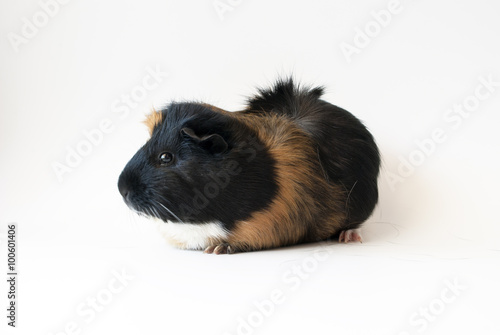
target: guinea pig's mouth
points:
(144, 201)
(140, 210)
(152, 208)
(133, 199)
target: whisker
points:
(134, 223)
(148, 211)
(175, 216)
(155, 211)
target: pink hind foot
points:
(351, 235)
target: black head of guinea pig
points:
(290, 168)
(190, 171)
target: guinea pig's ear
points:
(190, 133)
(213, 143)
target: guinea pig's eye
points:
(165, 158)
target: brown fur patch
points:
(152, 120)
(295, 215)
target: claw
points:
(350, 235)
(223, 248)
(209, 249)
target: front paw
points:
(223, 248)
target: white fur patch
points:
(193, 235)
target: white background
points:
(436, 227)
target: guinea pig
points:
(290, 168)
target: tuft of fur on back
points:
(285, 98)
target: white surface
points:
(439, 227)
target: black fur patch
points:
(201, 185)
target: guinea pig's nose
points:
(123, 188)
(125, 193)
